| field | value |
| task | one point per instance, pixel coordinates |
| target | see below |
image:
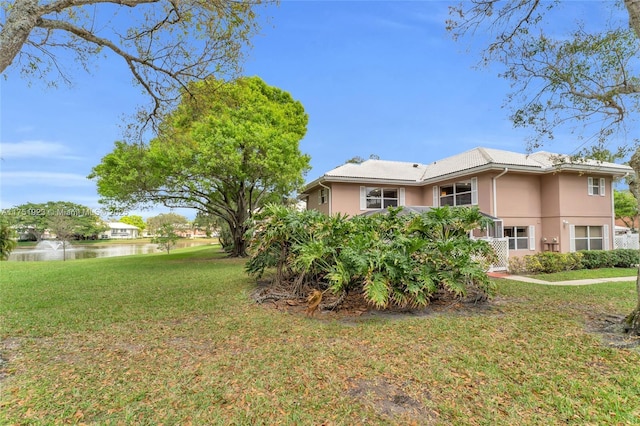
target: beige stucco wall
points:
(484, 191)
(312, 201)
(575, 200)
(345, 197)
(518, 196)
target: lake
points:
(54, 251)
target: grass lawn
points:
(588, 273)
(174, 339)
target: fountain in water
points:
(54, 249)
(53, 245)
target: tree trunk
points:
(23, 17)
(633, 8)
(239, 243)
(632, 321)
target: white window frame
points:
(588, 238)
(596, 186)
(526, 242)
(437, 193)
(365, 190)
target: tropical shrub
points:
(393, 258)
(7, 243)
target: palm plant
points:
(7, 243)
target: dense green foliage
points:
(394, 259)
(550, 262)
(75, 221)
(545, 263)
(226, 153)
(626, 208)
(7, 243)
(620, 258)
(134, 220)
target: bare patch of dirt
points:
(391, 401)
(611, 330)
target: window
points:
(459, 193)
(323, 196)
(588, 238)
(518, 237)
(595, 186)
(381, 198)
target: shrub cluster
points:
(545, 262)
(393, 258)
(619, 258)
(550, 262)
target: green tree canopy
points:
(226, 157)
(174, 220)
(207, 223)
(134, 220)
(33, 219)
(626, 208)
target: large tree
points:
(586, 79)
(164, 43)
(226, 157)
(32, 220)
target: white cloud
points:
(44, 179)
(35, 149)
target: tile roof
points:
(475, 158)
(380, 169)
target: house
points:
(539, 201)
(119, 230)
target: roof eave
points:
(364, 180)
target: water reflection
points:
(54, 252)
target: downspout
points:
(495, 195)
(329, 194)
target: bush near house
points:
(620, 258)
(392, 258)
(545, 263)
(549, 262)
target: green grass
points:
(174, 339)
(581, 274)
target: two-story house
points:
(539, 201)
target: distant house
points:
(539, 202)
(119, 230)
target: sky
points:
(381, 78)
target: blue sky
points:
(379, 78)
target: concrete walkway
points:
(571, 282)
